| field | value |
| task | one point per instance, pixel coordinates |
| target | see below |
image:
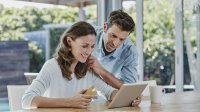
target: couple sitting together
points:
(86, 56)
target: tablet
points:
(126, 94)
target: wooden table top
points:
(174, 102)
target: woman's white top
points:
(51, 83)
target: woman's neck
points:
(73, 65)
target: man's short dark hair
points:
(122, 20)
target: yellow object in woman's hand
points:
(91, 91)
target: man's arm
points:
(103, 73)
(129, 72)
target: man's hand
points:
(137, 101)
(94, 64)
(108, 77)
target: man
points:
(115, 58)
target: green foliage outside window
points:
(13, 22)
(55, 38)
(159, 41)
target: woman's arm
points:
(78, 101)
(39, 101)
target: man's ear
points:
(105, 27)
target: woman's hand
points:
(137, 101)
(80, 100)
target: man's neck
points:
(104, 49)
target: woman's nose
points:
(88, 51)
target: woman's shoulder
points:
(52, 60)
(51, 63)
(50, 67)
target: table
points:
(174, 102)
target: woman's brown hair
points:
(63, 52)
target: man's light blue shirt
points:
(122, 63)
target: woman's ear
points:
(105, 26)
(69, 40)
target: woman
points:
(62, 79)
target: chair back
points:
(30, 77)
(15, 93)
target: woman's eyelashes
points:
(87, 46)
(84, 46)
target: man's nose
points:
(116, 42)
